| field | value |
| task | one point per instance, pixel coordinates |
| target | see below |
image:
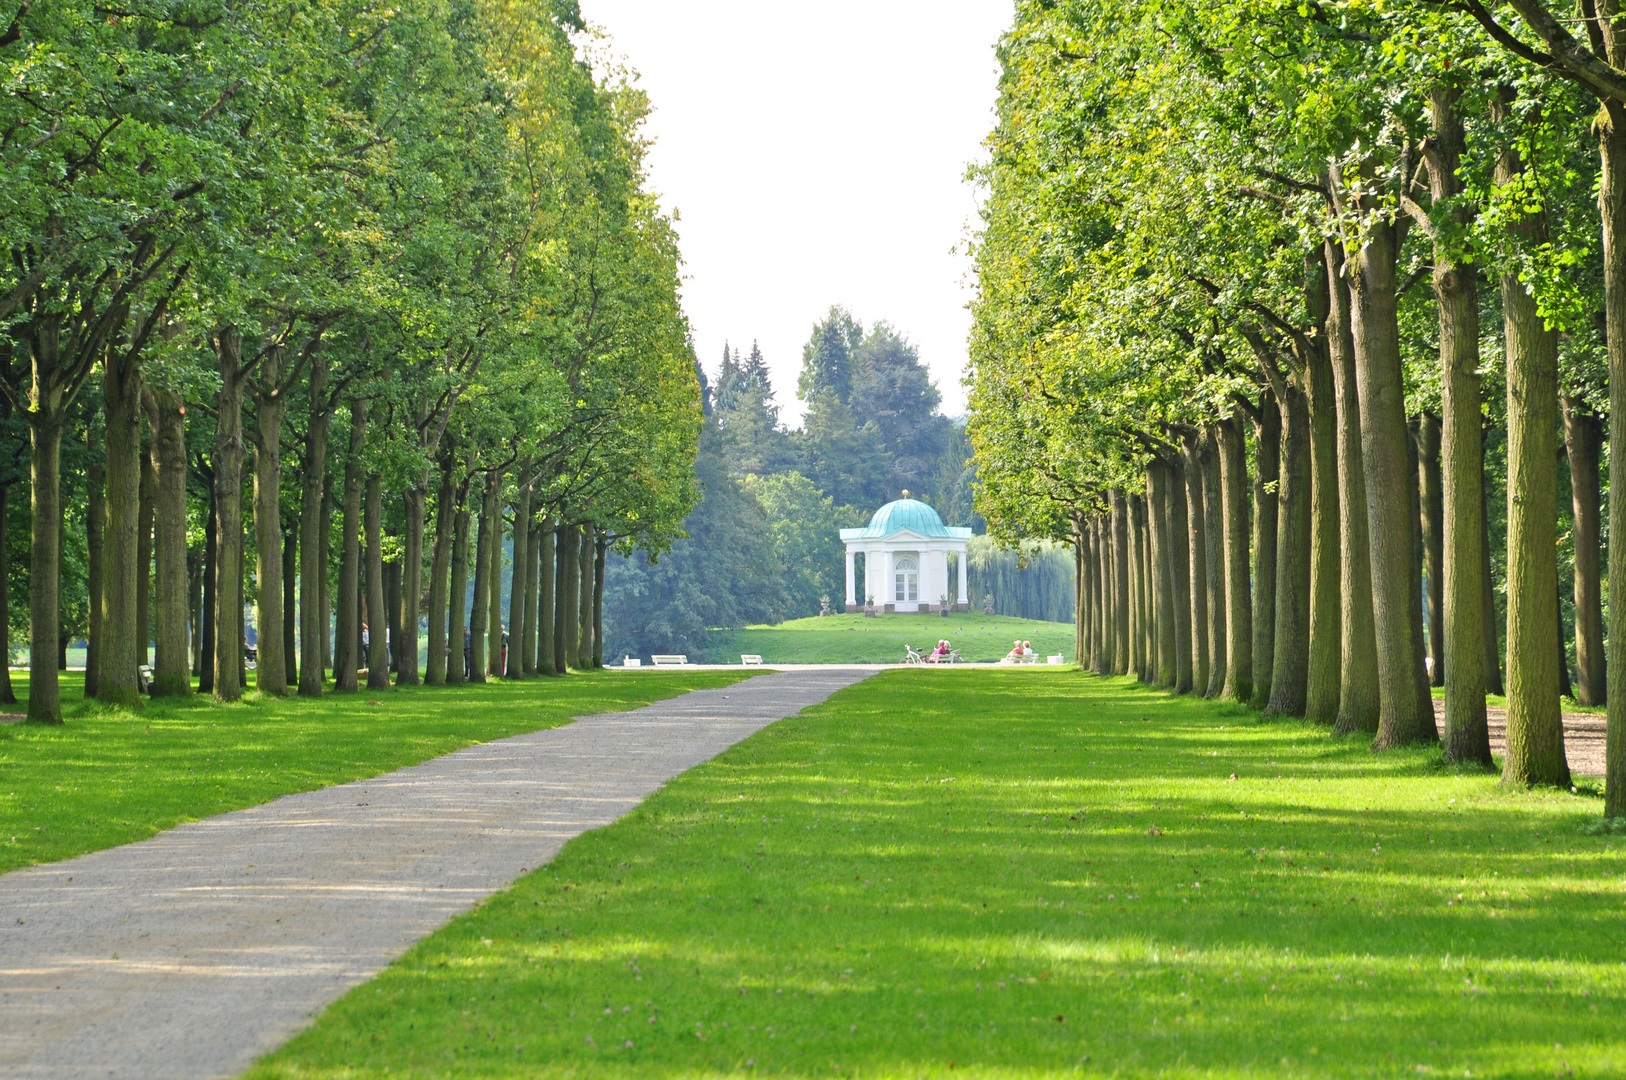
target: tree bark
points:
(324, 559)
(45, 422)
(600, 547)
(479, 617)
(1197, 569)
(1565, 690)
(1081, 592)
(1137, 591)
(1425, 705)
(1433, 504)
(194, 590)
(494, 626)
(145, 547)
(1105, 634)
(1583, 438)
(440, 564)
(1161, 567)
(347, 621)
(547, 661)
(567, 586)
(209, 631)
(1267, 451)
(457, 595)
(1120, 583)
(1290, 662)
(520, 589)
(271, 674)
(377, 623)
(584, 614)
(527, 633)
(1238, 684)
(1487, 587)
(1179, 533)
(118, 659)
(172, 676)
(1535, 731)
(1381, 389)
(1214, 527)
(95, 527)
(313, 501)
(1610, 127)
(411, 585)
(1322, 684)
(290, 604)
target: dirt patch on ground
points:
(1583, 737)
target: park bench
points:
(631, 661)
(751, 659)
(1056, 658)
(669, 659)
(144, 679)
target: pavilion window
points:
(906, 581)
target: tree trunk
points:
(1535, 731)
(411, 584)
(1267, 452)
(1610, 127)
(440, 563)
(1081, 592)
(1179, 534)
(172, 677)
(600, 548)
(1381, 388)
(290, 603)
(324, 559)
(7, 694)
(1138, 663)
(1161, 566)
(394, 605)
(1565, 690)
(1429, 728)
(520, 590)
(1238, 684)
(1214, 522)
(376, 627)
(1290, 662)
(567, 594)
(145, 547)
(479, 617)
(313, 516)
(347, 623)
(1433, 505)
(494, 627)
(1487, 586)
(1120, 583)
(209, 631)
(1105, 622)
(1321, 691)
(584, 614)
(457, 670)
(271, 676)
(1583, 437)
(1453, 561)
(1197, 567)
(546, 643)
(527, 633)
(45, 526)
(194, 590)
(95, 527)
(117, 660)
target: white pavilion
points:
(906, 548)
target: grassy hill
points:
(853, 639)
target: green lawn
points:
(1022, 874)
(108, 777)
(853, 639)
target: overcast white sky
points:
(816, 154)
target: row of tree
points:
(1258, 286)
(330, 253)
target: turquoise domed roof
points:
(902, 515)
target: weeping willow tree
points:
(1033, 583)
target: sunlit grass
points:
(1030, 873)
(109, 776)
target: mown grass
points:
(854, 639)
(110, 776)
(1020, 873)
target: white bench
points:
(751, 659)
(1057, 658)
(631, 661)
(669, 659)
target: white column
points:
(962, 598)
(852, 601)
(886, 591)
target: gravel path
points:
(1583, 737)
(190, 954)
